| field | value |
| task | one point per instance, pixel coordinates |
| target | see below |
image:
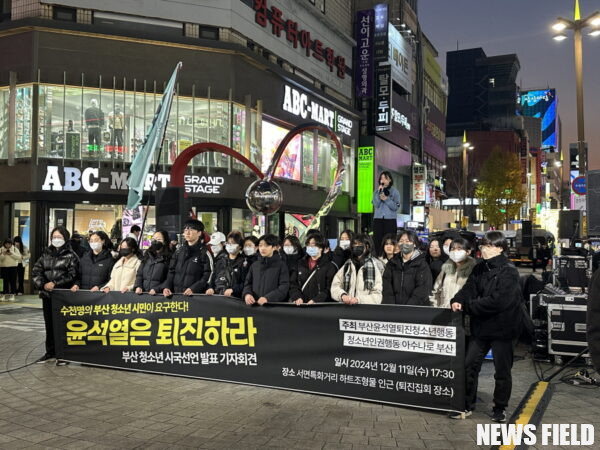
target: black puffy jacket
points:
(95, 269)
(291, 261)
(229, 274)
(60, 266)
(190, 267)
(492, 297)
(407, 283)
(340, 256)
(318, 287)
(153, 271)
(269, 278)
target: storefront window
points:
(95, 218)
(185, 124)
(307, 157)
(324, 162)
(219, 130)
(21, 221)
(200, 129)
(23, 121)
(93, 124)
(290, 163)
(51, 120)
(4, 123)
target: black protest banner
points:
(404, 355)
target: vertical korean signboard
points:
(365, 26)
(383, 99)
(380, 35)
(366, 162)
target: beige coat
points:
(9, 258)
(357, 284)
(123, 274)
(450, 280)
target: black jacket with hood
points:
(269, 278)
(191, 267)
(407, 283)
(313, 284)
(95, 269)
(153, 271)
(492, 297)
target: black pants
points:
(47, 304)
(94, 136)
(117, 137)
(9, 278)
(381, 227)
(503, 360)
(20, 279)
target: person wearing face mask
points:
(123, 273)
(492, 297)
(291, 252)
(58, 267)
(358, 280)
(436, 257)
(453, 274)
(191, 266)
(96, 264)
(311, 282)
(250, 251)
(407, 278)
(217, 245)
(268, 279)
(154, 267)
(342, 252)
(229, 273)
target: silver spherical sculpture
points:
(264, 197)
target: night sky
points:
(524, 27)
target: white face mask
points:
(96, 246)
(458, 255)
(447, 249)
(344, 244)
(289, 250)
(58, 242)
(249, 251)
(231, 248)
(216, 248)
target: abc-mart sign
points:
(298, 104)
(95, 180)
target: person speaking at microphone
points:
(386, 201)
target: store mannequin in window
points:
(116, 123)
(94, 120)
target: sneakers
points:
(460, 415)
(44, 358)
(60, 362)
(10, 298)
(499, 416)
(1, 297)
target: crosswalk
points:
(28, 324)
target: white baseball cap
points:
(217, 238)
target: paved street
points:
(45, 406)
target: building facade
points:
(80, 82)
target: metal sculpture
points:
(264, 196)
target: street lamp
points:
(578, 25)
(465, 164)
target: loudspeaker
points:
(569, 224)
(170, 209)
(526, 234)
(593, 203)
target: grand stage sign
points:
(403, 355)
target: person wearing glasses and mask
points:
(154, 268)
(453, 274)
(358, 280)
(191, 266)
(229, 274)
(311, 282)
(57, 268)
(96, 264)
(407, 278)
(492, 297)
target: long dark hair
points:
(388, 237)
(103, 237)
(295, 243)
(63, 231)
(388, 175)
(18, 242)
(133, 245)
(165, 250)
